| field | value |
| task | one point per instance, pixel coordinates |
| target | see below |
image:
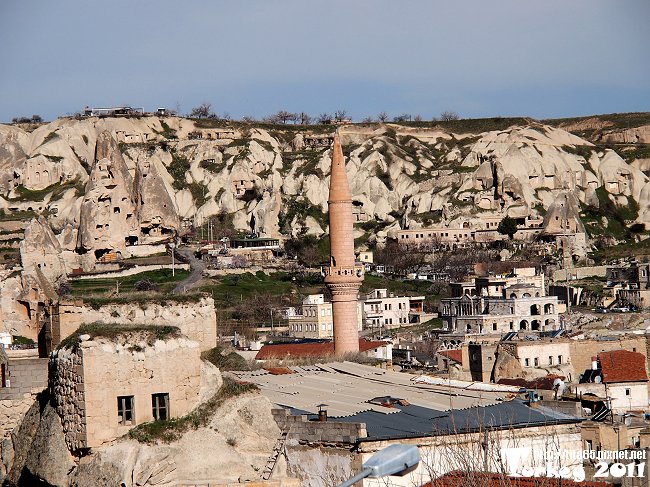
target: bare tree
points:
(283, 116)
(382, 117)
(417, 118)
(202, 111)
(248, 119)
(305, 118)
(448, 116)
(324, 118)
(405, 117)
(368, 119)
(340, 115)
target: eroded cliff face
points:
(107, 183)
(107, 220)
(237, 443)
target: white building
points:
(314, 318)
(384, 309)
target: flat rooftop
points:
(392, 405)
(346, 388)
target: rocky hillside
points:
(274, 179)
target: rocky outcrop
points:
(40, 249)
(399, 176)
(563, 215)
(107, 221)
(36, 453)
(156, 212)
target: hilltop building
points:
(343, 276)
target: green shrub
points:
(170, 430)
(225, 361)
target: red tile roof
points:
(622, 366)
(278, 370)
(455, 355)
(486, 479)
(306, 350)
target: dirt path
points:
(196, 271)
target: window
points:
(125, 410)
(527, 362)
(536, 362)
(160, 406)
(559, 359)
(590, 445)
(628, 391)
(550, 359)
(494, 327)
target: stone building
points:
(344, 276)
(501, 305)
(314, 318)
(104, 385)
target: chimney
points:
(322, 413)
(594, 363)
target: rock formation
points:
(40, 249)
(399, 176)
(108, 221)
(156, 212)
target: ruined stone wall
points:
(197, 320)
(25, 376)
(67, 392)
(86, 383)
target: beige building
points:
(102, 387)
(314, 318)
(384, 309)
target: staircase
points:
(273, 459)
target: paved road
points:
(196, 271)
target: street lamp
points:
(392, 460)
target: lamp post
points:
(392, 460)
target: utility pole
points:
(172, 245)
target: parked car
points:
(621, 309)
(601, 309)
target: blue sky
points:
(480, 58)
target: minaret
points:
(342, 277)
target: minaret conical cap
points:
(339, 188)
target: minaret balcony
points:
(344, 273)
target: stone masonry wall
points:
(27, 377)
(86, 382)
(67, 391)
(330, 431)
(197, 321)
(583, 350)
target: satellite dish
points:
(598, 379)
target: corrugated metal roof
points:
(414, 421)
(347, 387)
